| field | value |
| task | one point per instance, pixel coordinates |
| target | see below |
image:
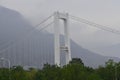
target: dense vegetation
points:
(75, 70)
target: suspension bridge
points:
(47, 45)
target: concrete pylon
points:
(66, 47)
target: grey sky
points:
(104, 12)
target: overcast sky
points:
(105, 12)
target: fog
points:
(105, 12)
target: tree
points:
(31, 73)
(49, 72)
(76, 61)
(75, 70)
(4, 74)
(93, 76)
(18, 73)
(107, 72)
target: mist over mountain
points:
(110, 50)
(12, 25)
(38, 47)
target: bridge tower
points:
(57, 48)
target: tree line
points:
(75, 70)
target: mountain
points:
(90, 58)
(12, 24)
(37, 48)
(111, 49)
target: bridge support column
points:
(67, 39)
(56, 39)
